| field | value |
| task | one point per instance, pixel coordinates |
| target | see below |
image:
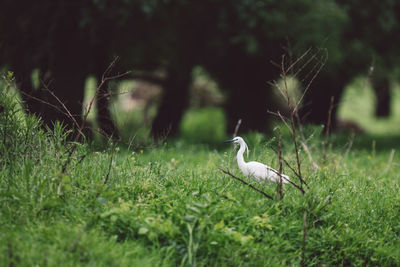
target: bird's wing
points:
(274, 175)
(261, 171)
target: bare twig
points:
(304, 142)
(279, 187)
(147, 77)
(47, 103)
(391, 156)
(72, 117)
(328, 126)
(246, 183)
(352, 135)
(300, 126)
(109, 168)
(81, 159)
(298, 60)
(65, 111)
(77, 238)
(305, 64)
(10, 255)
(349, 146)
(307, 150)
(292, 124)
(303, 247)
(321, 65)
(278, 114)
(239, 122)
(283, 75)
(296, 150)
(104, 79)
(237, 127)
(293, 170)
(293, 109)
(219, 156)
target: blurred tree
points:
(234, 41)
(27, 46)
(249, 36)
(55, 38)
(368, 39)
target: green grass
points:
(170, 205)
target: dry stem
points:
(328, 126)
(279, 188)
(237, 127)
(303, 247)
(246, 183)
(104, 79)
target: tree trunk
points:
(105, 122)
(318, 98)
(69, 68)
(248, 98)
(173, 103)
(245, 78)
(381, 86)
(28, 93)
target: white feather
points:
(256, 170)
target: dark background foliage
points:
(235, 42)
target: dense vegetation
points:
(170, 205)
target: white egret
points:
(260, 172)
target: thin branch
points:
(349, 146)
(10, 255)
(300, 126)
(304, 142)
(276, 84)
(278, 114)
(104, 79)
(237, 127)
(148, 78)
(307, 150)
(292, 169)
(77, 238)
(314, 56)
(328, 126)
(391, 156)
(285, 82)
(298, 60)
(322, 64)
(296, 149)
(234, 135)
(47, 103)
(109, 168)
(219, 156)
(279, 188)
(72, 117)
(292, 124)
(246, 183)
(303, 247)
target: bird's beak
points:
(228, 141)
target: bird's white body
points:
(256, 170)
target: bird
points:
(256, 170)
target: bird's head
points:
(239, 140)
(236, 140)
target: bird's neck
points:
(240, 158)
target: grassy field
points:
(170, 205)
